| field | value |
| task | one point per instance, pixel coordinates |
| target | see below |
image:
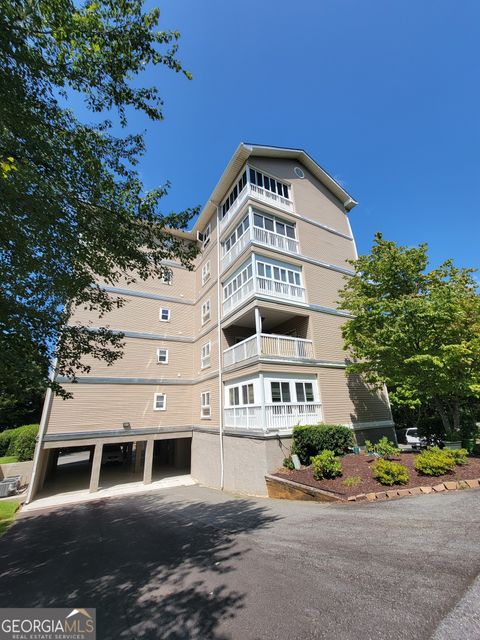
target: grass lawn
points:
(7, 514)
(8, 459)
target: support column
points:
(262, 402)
(258, 330)
(96, 466)
(139, 448)
(147, 469)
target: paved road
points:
(190, 563)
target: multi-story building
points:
(221, 363)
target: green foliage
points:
(389, 473)
(288, 463)
(7, 514)
(19, 442)
(417, 331)
(435, 462)
(383, 447)
(352, 481)
(326, 465)
(73, 208)
(309, 440)
(8, 459)
(459, 456)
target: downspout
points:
(47, 407)
(219, 342)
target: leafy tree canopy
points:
(73, 210)
(415, 330)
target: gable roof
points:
(244, 151)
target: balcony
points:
(260, 194)
(264, 287)
(263, 237)
(270, 346)
(273, 417)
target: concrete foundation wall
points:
(23, 469)
(247, 460)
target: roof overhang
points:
(247, 150)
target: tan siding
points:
(182, 284)
(106, 406)
(327, 336)
(140, 361)
(349, 400)
(212, 337)
(142, 314)
(322, 285)
(325, 246)
(311, 198)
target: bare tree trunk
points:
(443, 414)
(456, 415)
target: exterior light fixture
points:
(126, 425)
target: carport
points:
(102, 464)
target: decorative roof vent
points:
(299, 172)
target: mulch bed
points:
(359, 465)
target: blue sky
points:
(385, 95)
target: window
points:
(206, 272)
(205, 410)
(205, 355)
(269, 183)
(269, 223)
(242, 394)
(159, 402)
(247, 394)
(235, 283)
(280, 391)
(206, 235)
(162, 356)
(167, 277)
(279, 274)
(304, 391)
(205, 311)
(164, 315)
(234, 193)
(232, 240)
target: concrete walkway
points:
(195, 564)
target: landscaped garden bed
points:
(359, 468)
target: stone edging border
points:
(449, 485)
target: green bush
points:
(383, 447)
(19, 442)
(388, 472)
(288, 463)
(436, 462)
(326, 465)
(459, 455)
(310, 440)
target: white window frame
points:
(206, 311)
(269, 269)
(304, 383)
(205, 405)
(206, 234)
(205, 355)
(162, 309)
(157, 395)
(158, 355)
(206, 272)
(167, 277)
(242, 277)
(240, 391)
(282, 392)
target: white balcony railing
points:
(265, 287)
(274, 417)
(264, 237)
(271, 345)
(256, 193)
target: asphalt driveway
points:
(196, 564)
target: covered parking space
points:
(97, 465)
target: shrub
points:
(388, 472)
(352, 481)
(435, 462)
(326, 465)
(310, 440)
(459, 455)
(24, 445)
(288, 463)
(383, 447)
(19, 442)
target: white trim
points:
(160, 314)
(359, 426)
(155, 396)
(203, 405)
(158, 355)
(206, 272)
(206, 314)
(205, 360)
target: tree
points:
(417, 331)
(73, 210)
